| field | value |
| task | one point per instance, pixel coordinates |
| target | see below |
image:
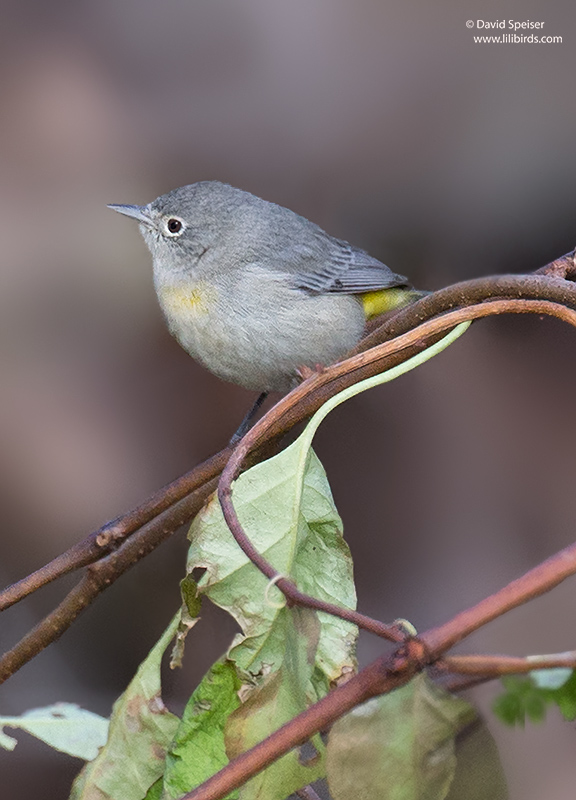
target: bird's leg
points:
(246, 423)
(302, 372)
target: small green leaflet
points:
(529, 696)
(64, 726)
(399, 746)
(141, 728)
(188, 617)
(198, 749)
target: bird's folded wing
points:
(349, 270)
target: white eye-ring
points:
(174, 227)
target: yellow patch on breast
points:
(182, 300)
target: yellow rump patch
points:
(383, 300)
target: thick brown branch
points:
(110, 536)
(79, 555)
(97, 578)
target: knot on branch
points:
(412, 656)
(110, 538)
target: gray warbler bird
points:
(255, 292)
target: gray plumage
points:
(251, 289)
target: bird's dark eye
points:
(174, 225)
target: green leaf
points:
(141, 728)
(275, 701)
(64, 726)
(198, 749)
(286, 506)
(398, 746)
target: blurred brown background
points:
(388, 126)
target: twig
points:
(494, 666)
(563, 267)
(156, 519)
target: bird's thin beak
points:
(140, 213)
